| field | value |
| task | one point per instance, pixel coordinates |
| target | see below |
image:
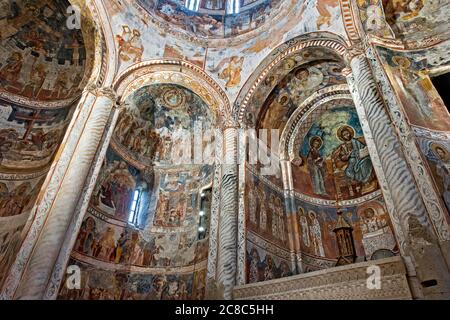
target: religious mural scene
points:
(333, 159)
(224, 150)
(213, 18)
(44, 66)
(42, 58)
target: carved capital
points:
(99, 91)
(354, 51)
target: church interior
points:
(224, 149)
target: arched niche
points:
(294, 89)
(47, 64)
(330, 171)
(147, 229)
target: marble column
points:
(54, 210)
(228, 218)
(414, 229)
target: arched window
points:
(134, 209)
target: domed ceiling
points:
(43, 57)
(214, 18)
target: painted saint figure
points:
(316, 235)
(315, 166)
(443, 171)
(354, 153)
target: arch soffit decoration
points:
(320, 40)
(336, 93)
(174, 71)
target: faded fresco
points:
(372, 232)
(299, 84)
(43, 61)
(41, 57)
(147, 213)
(228, 58)
(409, 74)
(437, 154)
(151, 125)
(29, 137)
(267, 249)
(419, 21)
(99, 284)
(212, 18)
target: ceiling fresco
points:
(150, 128)
(295, 87)
(42, 58)
(212, 19)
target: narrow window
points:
(233, 6)
(132, 218)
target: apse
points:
(214, 18)
(44, 67)
(296, 216)
(146, 232)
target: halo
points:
(342, 128)
(314, 138)
(398, 59)
(434, 146)
(284, 97)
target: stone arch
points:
(178, 72)
(255, 82)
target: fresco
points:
(144, 213)
(409, 74)
(265, 210)
(99, 284)
(116, 186)
(264, 266)
(120, 244)
(333, 161)
(437, 154)
(372, 230)
(41, 57)
(211, 19)
(418, 20)
(29, 137)
(17, 197)
(295, 87)
(150, 126)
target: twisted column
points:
(228, 218)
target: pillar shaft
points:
(414, 229)
(53, 212)
(228, 219)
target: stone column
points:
(228, 218)
(59, 269)
(414, 230)
(291, 216)
(55, 208)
